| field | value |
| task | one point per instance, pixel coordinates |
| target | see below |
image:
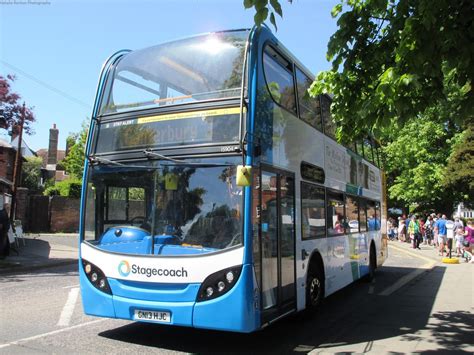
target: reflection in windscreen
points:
(186, 210)
(193, 69)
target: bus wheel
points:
(314, 288)
(372, 265)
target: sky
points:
(56, 48)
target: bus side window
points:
(279, 79)
(352, 213)
(371, 216)
(329, 125)
(362, 215)
(309, 107)
(335, 213)
(377, 216)
(313, 224)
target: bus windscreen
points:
(200, 68)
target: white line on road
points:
(72, 286)
(16, 342)
(68, 308)
(407, 278)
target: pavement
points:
(41, 251)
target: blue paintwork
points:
(138, 241)
(94, 302)
(234, 311)
(126, 235)
(149, 291)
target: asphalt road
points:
(403, 311)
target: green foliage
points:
(392, 60)
(460, 169)
(416, 163)
(60, 165)
(74, 162)
(68, 188)
(264, 8)
(31, 173)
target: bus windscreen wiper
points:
(94, 160)
(98, 160)
(150, 154)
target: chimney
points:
(15, 132)
(53, 145)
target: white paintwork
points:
(295, 141)
(197, 267)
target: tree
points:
(459, 174)
(31, 173)
(68, 188)
(11, 108)
(263, 8)
(74, 162)
(391, 60)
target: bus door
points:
(277, 243)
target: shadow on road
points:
(351, 316)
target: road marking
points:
(71, 286)
(16, 342)
(68, 308)
(407, 278)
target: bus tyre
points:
(314, 288)
(372, 265)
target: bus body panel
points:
(94, 302)
(161, 269)
(156, 292)
(236, 310)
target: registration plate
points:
(152, 316)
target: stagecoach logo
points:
(124, 268)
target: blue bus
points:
(215, 194)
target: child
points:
(459, 239)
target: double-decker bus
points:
(215, 195)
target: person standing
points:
(414, 232)
(407, 223)
(401, 229)
(457, 225)
(468, 243)
(440, 228)
(429, 230)
(4, 227)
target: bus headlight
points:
(96, 277)
(218, 283)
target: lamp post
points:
(17, 167)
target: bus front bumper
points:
(237, 310)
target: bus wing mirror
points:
(244, 173)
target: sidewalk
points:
(431, 313)
(427, 251)
(41, 251)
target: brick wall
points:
(64, 214)
(22, 206)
